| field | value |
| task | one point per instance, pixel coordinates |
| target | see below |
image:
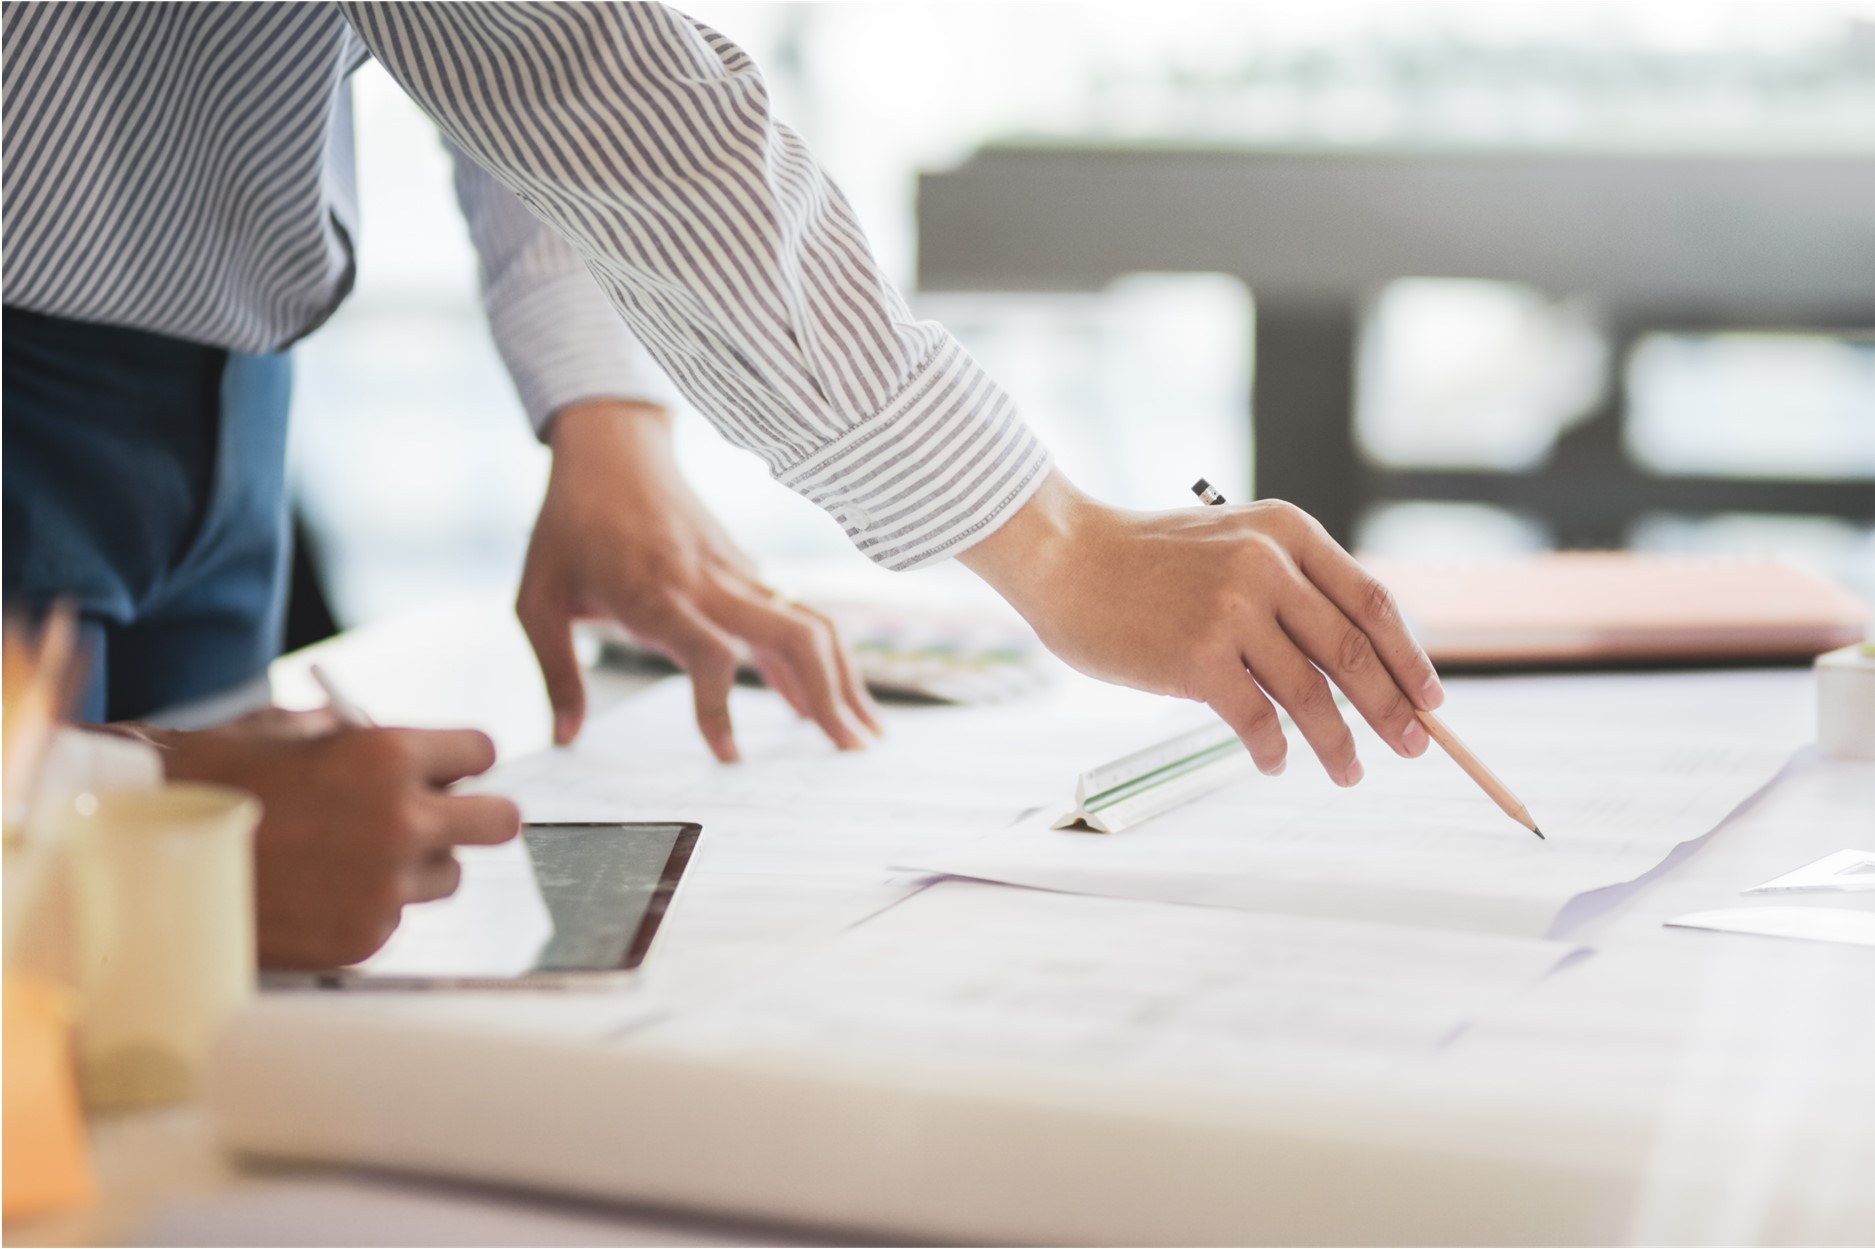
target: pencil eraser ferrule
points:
(1845, 701)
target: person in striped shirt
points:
(183, 173)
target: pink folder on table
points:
(1600, 606)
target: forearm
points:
(647, 425)
(1040, 548)
(651, 149)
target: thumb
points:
(549, 630)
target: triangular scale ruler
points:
(1116, 796)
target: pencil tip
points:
(1539, 833)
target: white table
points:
(1747, 1059)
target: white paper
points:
(1617, 770)
(1845, 871)
(966, 975)
(1805, 923)
(799, 839)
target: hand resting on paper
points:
(621, 536)
(1232, 606)
(355, 823)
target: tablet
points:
(562, 906)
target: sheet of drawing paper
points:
(970, 975)
(800, 839)
(1618, 771)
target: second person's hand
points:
(356, 823)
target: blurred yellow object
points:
(46, 1168)
(39, 681)
(38, 674)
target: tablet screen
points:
(606, 887)
(561, 901)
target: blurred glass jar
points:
(164, 884)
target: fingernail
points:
(1276, 769)
(1414, 739)
(1354, 774)
(1431, 694)
(563, 727)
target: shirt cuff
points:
(563, 341)
(934, 473)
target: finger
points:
(1370, 605)
(816, 654)
(780, 678)
(549, 631)
(1240, 704)
(1346, 655)
(432, 878)
(803, 644)
(802, 647)
(279, 724)
(852, 688)
(1286, 674)
(471, 820)
(444, 756)
(708, 655)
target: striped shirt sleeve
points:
(558, 334)
(645, 140)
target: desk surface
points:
(1716, 1020)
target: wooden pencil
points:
(1487, 781)
(1448, 740)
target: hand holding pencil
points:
(1245, 609)
(1448, 741)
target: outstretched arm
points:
(620, 534)
(645, 139)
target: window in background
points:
(409, 455)
(1485, 375)
(415, 470)
(1469, 374)
(1788, 406)
(1139, 390)
(1753, 405)
(1449, 531)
